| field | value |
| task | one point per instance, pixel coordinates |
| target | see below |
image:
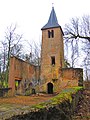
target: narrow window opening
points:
(50, 33)
(53, 60)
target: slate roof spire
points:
(52, 22)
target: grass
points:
(15, 109)
(65, 94)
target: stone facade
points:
(67, 77)
(52, 54)
(21, 75)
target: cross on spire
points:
(52, 4)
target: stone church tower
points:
(52, 53)
(53, 76)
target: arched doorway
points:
(50, 88)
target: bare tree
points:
(66, 63)
(10, 46)
(78, 28)
(12, 40)
(86, 61)
(3, 56)
(34, 58)
(34, 53)
(16, 50)
(77, 36)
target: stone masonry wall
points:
(51, 47)
(20, 71)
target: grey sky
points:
(32, 15)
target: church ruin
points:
(51, 76)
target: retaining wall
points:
(60, 111)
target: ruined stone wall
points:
(11, 81)
(87, 85)
(73, 75)
(5, 92)
(20, 71)
(67, 77)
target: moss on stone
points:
(39, 106)
(64, 95)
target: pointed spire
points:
(52, 22)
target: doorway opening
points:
(50, 88)
(17, 86)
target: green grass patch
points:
(39, 106)
(65, 94)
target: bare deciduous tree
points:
(34, 58)
(10, 46)
(78, 28)
(77, 35)
(12, 41)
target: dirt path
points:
(15, 104)
(7, 105)
(26, 100)
(83, 108)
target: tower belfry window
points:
(50, 33)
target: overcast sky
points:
(31, 15)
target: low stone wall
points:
(5, 92)
(87, 85)
(60, 111)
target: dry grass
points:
(25, 100)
